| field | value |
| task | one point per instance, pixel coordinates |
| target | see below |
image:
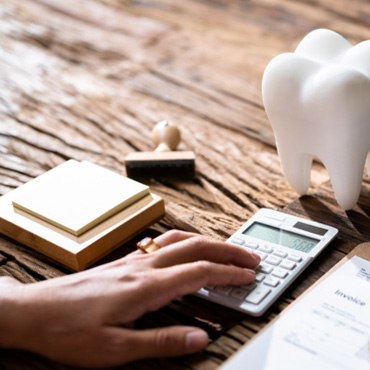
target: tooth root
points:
(346, 174)
(296, 168)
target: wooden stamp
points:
(165, 161)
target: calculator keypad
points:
(275, 268)
(279, 266)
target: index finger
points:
(169, 283)
(201, 248)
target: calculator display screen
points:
(281, 237)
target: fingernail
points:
(196, 340)
(256, 256)
(252, 273)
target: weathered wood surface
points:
(88, 79)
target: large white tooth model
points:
(318, 102)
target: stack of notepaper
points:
(78, 211)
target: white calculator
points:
(286, 244)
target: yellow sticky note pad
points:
(80, 195)
(78, 212)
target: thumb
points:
(169, 341)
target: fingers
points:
(163, 342)
(113, 346)
(187, 278)
(187, 247)
(173, 236)
(163, 285)
(169, 238)
(199, 248)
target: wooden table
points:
(88, 79)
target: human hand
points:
(84, 318)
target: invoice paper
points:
(328, 329)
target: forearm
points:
(12, 313)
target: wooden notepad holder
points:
(78, 212)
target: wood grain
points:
(88, 79)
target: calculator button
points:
(289, 265)
(223, 289)
(237, 240)
(265, 248)
(280, 273)
(203, 291)
(272, 260)
(250, 249)
(294, 257)
(271, 281)
(238, 293)
(265, 268)
(249, 287)
(261, 254)
(208, 288)
(251, 245)
(260, 276)
(258, 294)
(280, 253)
